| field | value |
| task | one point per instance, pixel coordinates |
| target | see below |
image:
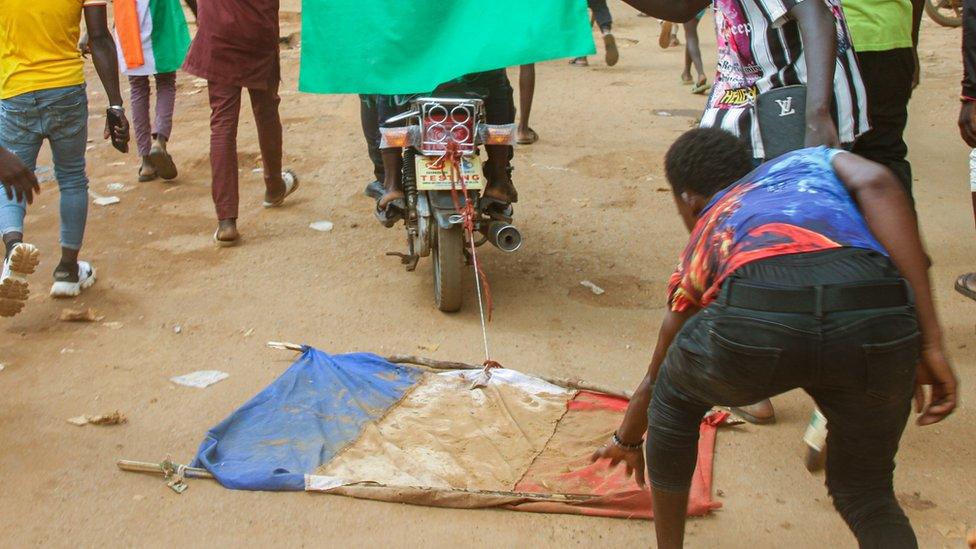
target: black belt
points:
(817, 300)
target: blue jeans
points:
(59, 115)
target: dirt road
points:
(592, 207)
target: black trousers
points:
(601, 14)
(887, 77)
(369, 114)
(858, 365)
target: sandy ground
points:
(593, 207)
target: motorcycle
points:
(947, 13)
(442, 180)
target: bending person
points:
(785, 284)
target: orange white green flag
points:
(152, 36)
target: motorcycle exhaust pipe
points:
(503, 236)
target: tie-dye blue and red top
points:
(794, 204)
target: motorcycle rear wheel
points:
(947, 13)
(448, 256)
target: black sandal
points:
(393, 212)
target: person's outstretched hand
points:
(17, 180)
(967, 122)
(934, 370)
(632, 459)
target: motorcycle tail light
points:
(496, 134)
(401, 137)
(446, 121)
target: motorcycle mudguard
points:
(442, 206)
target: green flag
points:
(411, 46)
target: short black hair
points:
(706, 160)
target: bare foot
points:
(388, 197)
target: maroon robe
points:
(236, 43)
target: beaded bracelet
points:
(617, 442)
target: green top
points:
(879, 25)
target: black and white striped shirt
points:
(759, 49)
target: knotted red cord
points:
(452, 155)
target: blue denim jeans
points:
(59, 115)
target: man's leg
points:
(225, 109)
(370, 119)
(601, 14)
(864, 388)
(66, 124)
(387, 107)
(265, 103)
(526, 135)
(165, 105)
(887, 77)
(672, 452)
(862, 440)
(693, 57)
(499, 109)
(139, 94)
(20, 133)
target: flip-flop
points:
(579, 62)
(393, 212)
(664, 39)
(687, 81)
(225, 243)
(533, 137)
(291, 185)
(963, 283)
(162, 162)
(611, 55)
(701, 88)
(144, 178)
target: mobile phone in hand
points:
(116, 120)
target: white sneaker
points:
(64, 288)
(21, 262)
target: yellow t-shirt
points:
(39, 44)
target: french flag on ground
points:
(361, 426)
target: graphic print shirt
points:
(759, 49)
(794, 204)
